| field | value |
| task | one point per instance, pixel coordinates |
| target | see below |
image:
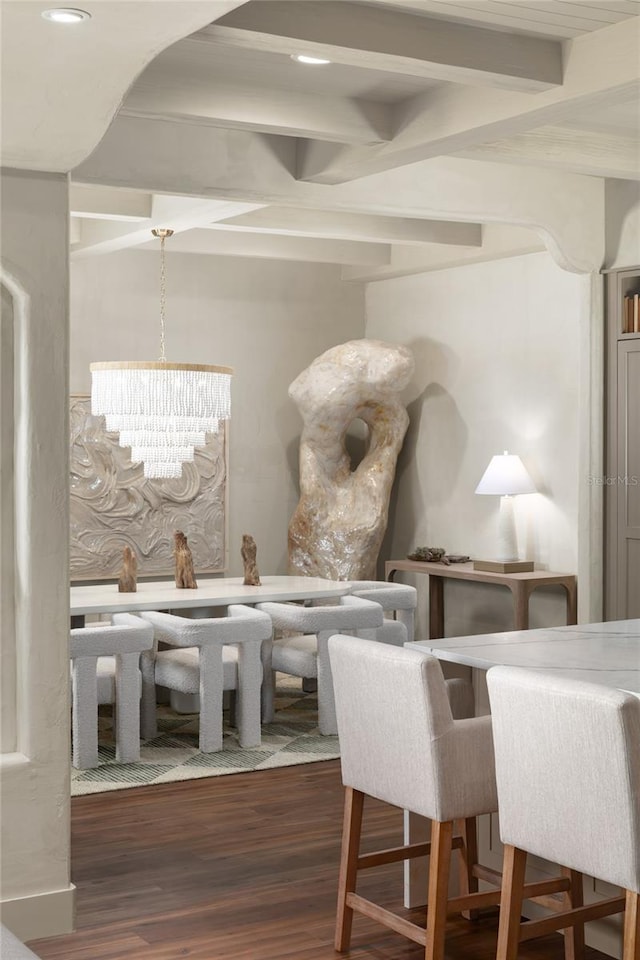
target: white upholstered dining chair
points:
(399, 743)
(568, 775)
(398, 599)
(207, 657)
(305, 654)
(105, 669)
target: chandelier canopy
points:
(161, 410)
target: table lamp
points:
(505, 477)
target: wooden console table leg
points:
(520, 594)
(571, 588)
(436, 607)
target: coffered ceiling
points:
(529, 85)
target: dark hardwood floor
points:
(242, 867)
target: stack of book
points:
(631, 313)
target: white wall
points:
(497, 367)
(267, 319)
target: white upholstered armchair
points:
(105, 668)
(207, 657)
(306, 654)
(401, 600)
(398, 599)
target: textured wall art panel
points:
(113, 506)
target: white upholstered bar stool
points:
(105, 668)
(568, 775)
(207, 657)
(400, 744)
(306, 654)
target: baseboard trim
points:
(41, 915)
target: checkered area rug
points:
(292, 738)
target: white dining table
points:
(604, 653)
(164, 595)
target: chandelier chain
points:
(163, 300)
(162, 234)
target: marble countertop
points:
(606, 653)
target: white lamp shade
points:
(506, 476)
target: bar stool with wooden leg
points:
(400, 744)
(568, 775)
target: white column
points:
(35, 892)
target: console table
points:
(521, 586)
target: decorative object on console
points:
(437, 555)
(185, 577)
(505, 477)
(338, 525)
(112, 505)
(431, 554)
(249, 552)
(128, 582)
(162, 410)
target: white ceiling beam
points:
(601, 68)
(306, 249)
(395, 42)
(528, 15)
(567, 209)
(104, 203)
(288, 112)
(582, 151)
(178, 213)
(498, 242)
(292, 222)
(556, 18)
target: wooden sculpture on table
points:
(128, 582)
(185, 577)
(248, 552)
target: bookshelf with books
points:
(627, 301)
(631, 313)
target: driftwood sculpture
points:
(185, 577)
(128, 582)
(338, 526)
(248, 552)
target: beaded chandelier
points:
(161, 410)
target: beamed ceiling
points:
(540, 85)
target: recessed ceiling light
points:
(65, 15)
(303, 58)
